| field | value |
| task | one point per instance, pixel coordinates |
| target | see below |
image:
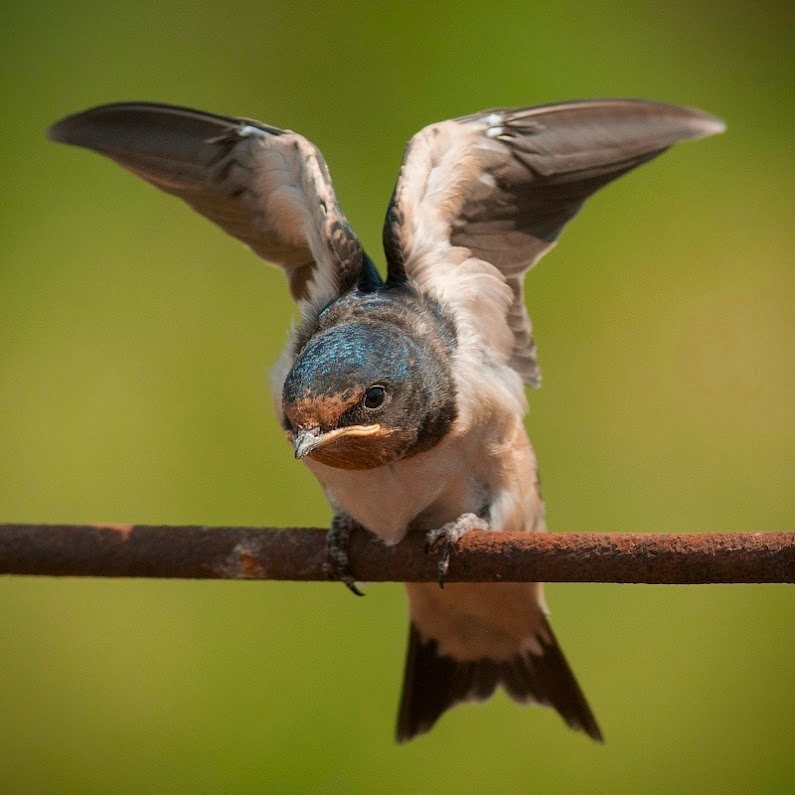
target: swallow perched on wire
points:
(405, 397)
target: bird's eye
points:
(374, 396)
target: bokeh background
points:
(135, 340)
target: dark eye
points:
(374, 396)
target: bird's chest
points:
(421, 492)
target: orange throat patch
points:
(358, 451)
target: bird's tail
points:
(435, 681)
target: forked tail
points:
(435, 682)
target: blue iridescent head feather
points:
(327, 385)
(351, 357)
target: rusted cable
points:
(297, 554)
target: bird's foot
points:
(445, 538)
(336, 563)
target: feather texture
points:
(483, 197)
(434, 682)
(267, 187)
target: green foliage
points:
(135, 340)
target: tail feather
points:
(435, 682)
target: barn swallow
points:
(405, 396)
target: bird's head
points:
(364, 394)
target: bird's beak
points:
(306, 442)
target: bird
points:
(405, 395)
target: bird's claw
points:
(336, 569)
(445, 539)
(336, 563)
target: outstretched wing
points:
(480, 199)
(268, 187)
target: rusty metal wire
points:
(297, 554)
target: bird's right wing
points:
(267, 187)
(480, 199)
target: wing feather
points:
(496, 189)
(269, 188)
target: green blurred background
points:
(135, 340)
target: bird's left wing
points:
(481, 198)
(267, 187)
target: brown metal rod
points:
(297, 553)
